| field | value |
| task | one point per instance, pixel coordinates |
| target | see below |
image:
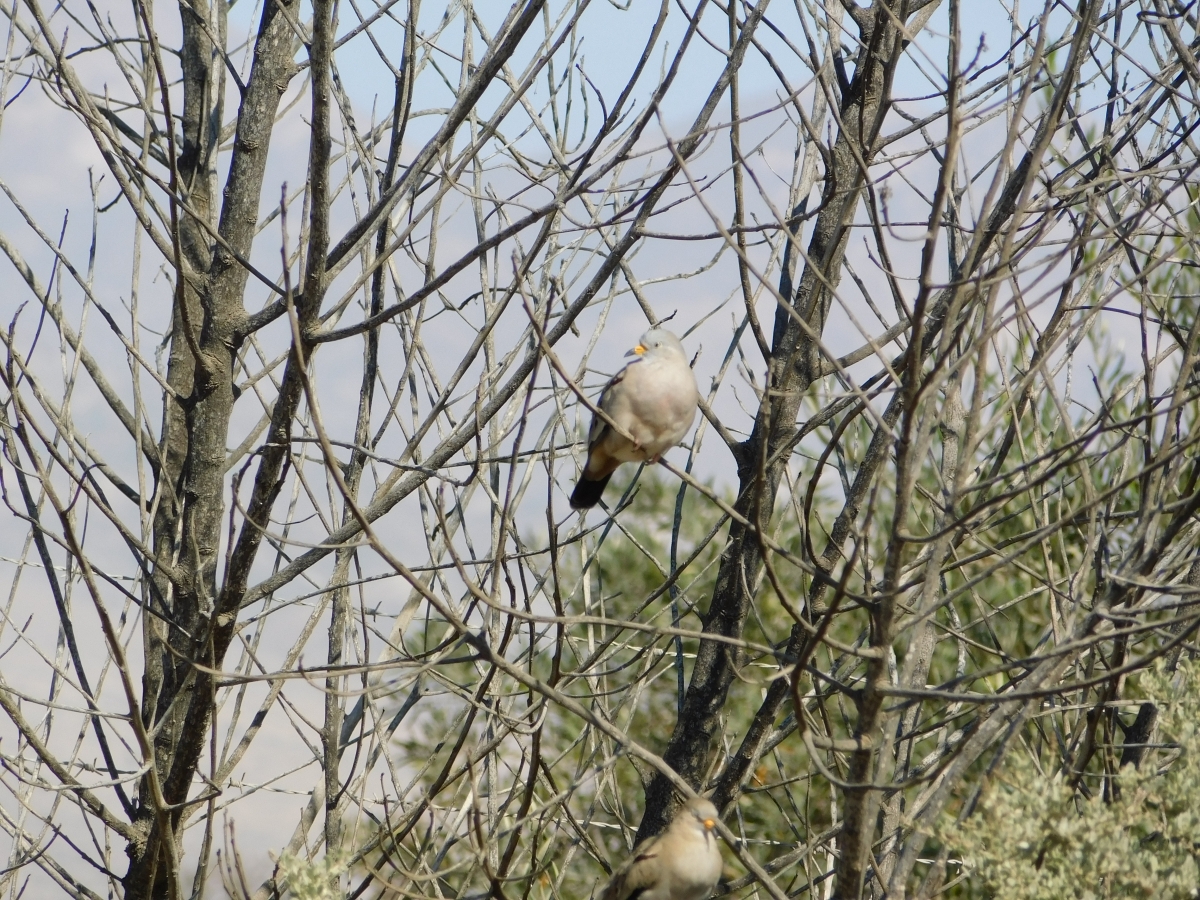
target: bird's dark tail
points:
(587, 492)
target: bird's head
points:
(703, 812)
(656, 339)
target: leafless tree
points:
(288, 438)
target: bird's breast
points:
(664, 406)
(696, 872)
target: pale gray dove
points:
(682, 863)
(653, 399)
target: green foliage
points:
(312, 879)
(1034, 837)
(635, 559)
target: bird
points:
(682, 863)
(653, 399)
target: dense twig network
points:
(291, 417)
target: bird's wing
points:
(607, 397)
(638, 874)
(601, 437)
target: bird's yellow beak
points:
(636, 351)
